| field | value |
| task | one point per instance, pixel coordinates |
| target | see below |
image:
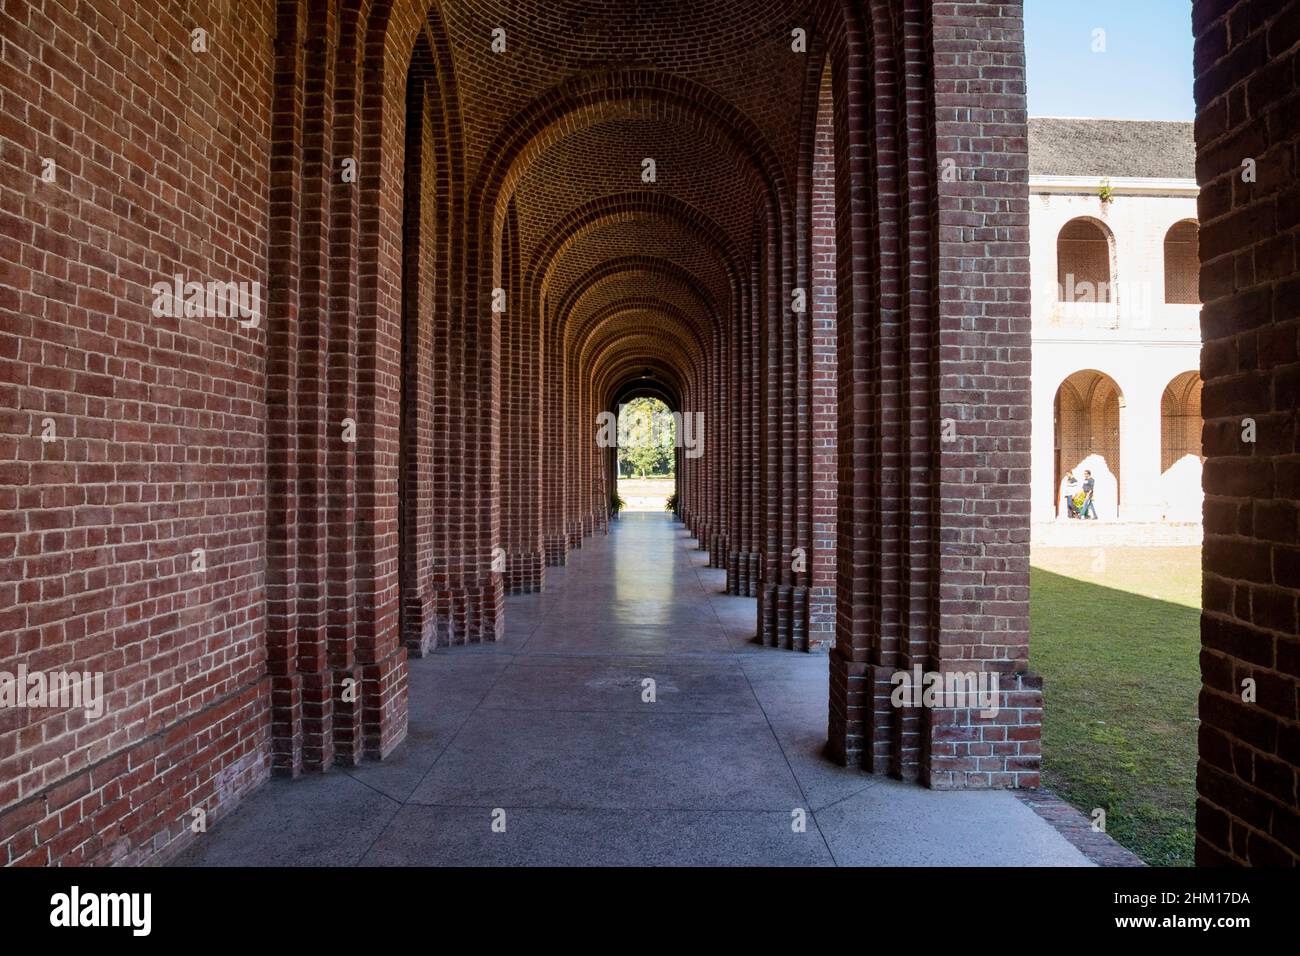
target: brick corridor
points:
(549, 725)
(276, 526)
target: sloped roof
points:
(1149, 149)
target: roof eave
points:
(1119, 185)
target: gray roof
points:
(1150, 149)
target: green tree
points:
(647, 437)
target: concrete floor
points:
(549, 726)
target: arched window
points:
(1083, 262)
(1182, 264)
(1180, 420)
(1087, 417)
(1180, 448)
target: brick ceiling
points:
(591, 231)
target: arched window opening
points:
(1180, 448)
(1182, 264)
(1087, 423)
(1083, 257)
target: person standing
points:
(1070, 487)
(1089, 506)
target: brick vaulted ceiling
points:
(740, 50)
(602, 244)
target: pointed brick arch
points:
(588, 99)
(640, 205)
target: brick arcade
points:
(475, 228)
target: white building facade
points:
(1116, 327)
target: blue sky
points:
(1144, 73)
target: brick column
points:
(417, 462)
(1246, 55)
(735, 439)
(932, 568)
(981, 368)
(821, 609)
(771, 315)
(521, 449)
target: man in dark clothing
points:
(1089, 507)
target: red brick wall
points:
(1248, 779)
(162, 155)
(980, 290)
(933, 324)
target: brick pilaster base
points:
(525, 572)
(968, 751)
(556, 549)
(347, 732)
(845, 729)
(384, 705)
(419, 624)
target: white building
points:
(1116, 327)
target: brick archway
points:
(463, 272)
(465, 261)
(1088, 407)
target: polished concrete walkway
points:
(550, 726)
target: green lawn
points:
(1116, 639)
